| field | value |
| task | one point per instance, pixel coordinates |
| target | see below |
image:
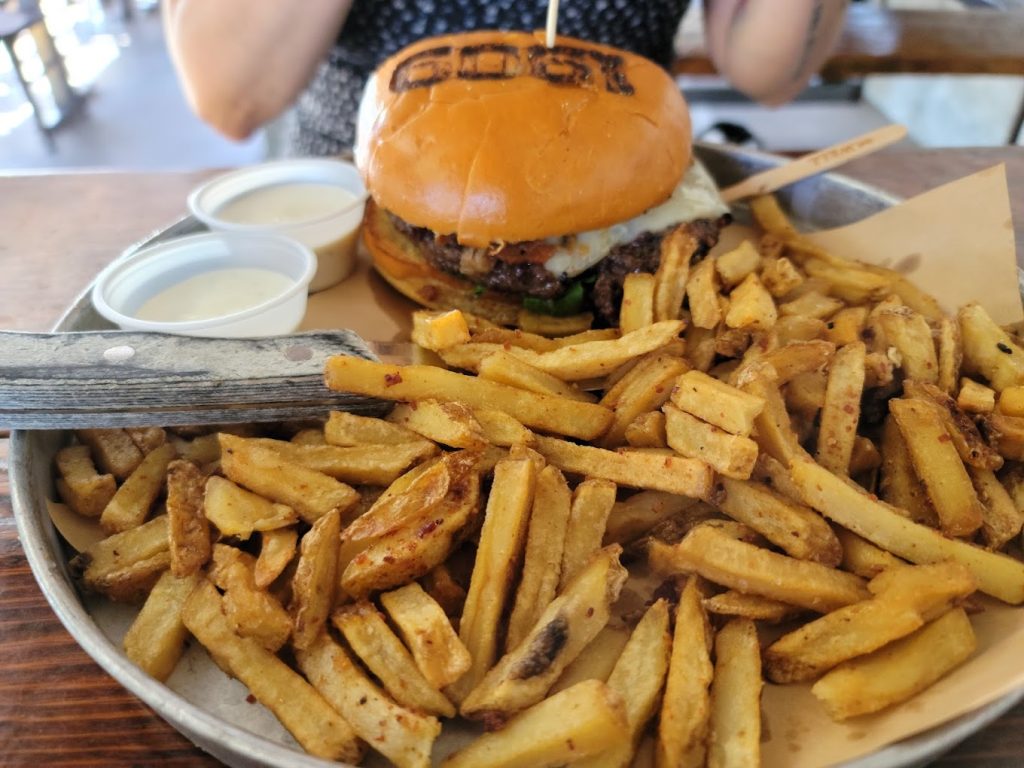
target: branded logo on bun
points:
(505, 174)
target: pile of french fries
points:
(782, 465)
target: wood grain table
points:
(57, 708)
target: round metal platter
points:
(825, 201)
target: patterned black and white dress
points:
(375, 29)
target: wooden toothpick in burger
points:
(552, 26)
(508, 174)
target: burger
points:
(504, 174)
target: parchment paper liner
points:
(955, 241)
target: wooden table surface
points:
(57, 708)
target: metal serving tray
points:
(821, 202)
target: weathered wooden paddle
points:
(116, 379)
(815, 162)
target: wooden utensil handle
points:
(114, 378)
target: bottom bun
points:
(397, 259)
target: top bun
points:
(493, 137)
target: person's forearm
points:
(769, 49)
(243, 62)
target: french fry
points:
(734, 733)
(439, 330)
(642, 390)
(202, 450)
(751, 306)
(793, 328)
(315, 579)
(156, 639)
(774, 435)
(677, 249)
(899, 670)
(441, 585)
(911, 596)
(851, 507)
(252, 612)
(797, 530)
(125, 566)
(403, 736)
(708, 551)
(311, 720)
(686, 705)
(771, 218)
(702, 291)
(846, 325)
(417, 541)
(130, 505)
(909, 333)
(989, 350)
(439, 654)
(113, 450)
(499, 428)
(710, 400)
(950, 354)
(147, 439)
(277, 549)
(732, 603)
(729, 455)
(592, 502)
(841, 412)
(506, 337)
(973, 449)
(636, 516)
(733, 266)
(850, 282)
(80, 486)
(361, 464)
(700, 347)
(372, 640)
(344, 429)
(550, 325)
(576, 723)
(647, 431)
(448, 423)
(309, 437)
(502, 540)
(938, 464)
(900, 485)
(975, 397)
(798, 357)
(811, 304)
(597, 660)
(1001, 520)
(631, 468)
(264, 471)
(1011, 401)
(864, 558)
(1006, 433)
(638, 678)
(504, 368)
(780, 276)
(544, 412)
(238, 512)
(637, 309)
(523, 676)
(542, 562)
(188, 527)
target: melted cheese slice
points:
(696, 197)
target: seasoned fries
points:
(312, 721)
(784, 440)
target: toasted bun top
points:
(493, 137)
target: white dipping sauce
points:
(214, 294)
(288, 203)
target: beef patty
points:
(518, 268)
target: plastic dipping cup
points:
(282, 197)
(215, 301)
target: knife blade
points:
(119, 378)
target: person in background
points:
(244, 62)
